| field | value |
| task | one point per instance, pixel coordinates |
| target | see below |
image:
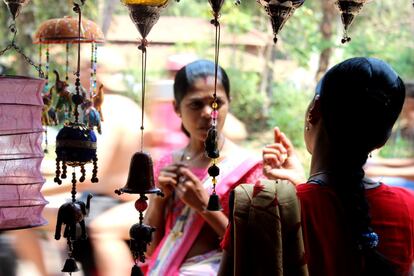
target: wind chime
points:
(144, 14)
(21, 202)
(57, 99)
(349, 9)
(279, 11)
(75, 147)
(211, 143)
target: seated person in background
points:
(353, 225)
(187, 238)
(398, 170)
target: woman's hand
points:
(167, 179)
(280, 160)
(190, 189)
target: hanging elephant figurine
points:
(48, 111)
(141, 236)
(70, 214)
(64, 100)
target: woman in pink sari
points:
(187, 240)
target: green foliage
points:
(300, 37)
(287, 111)
(246, 102)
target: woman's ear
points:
(314, 113)
(176, 108)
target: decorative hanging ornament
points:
(279, 11)
(15, 6)
(211, 143)
(75, 147)
(21, 202)
(144, 14)
(349, 9)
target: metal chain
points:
(13, 45)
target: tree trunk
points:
(326, 27)
(108, 10)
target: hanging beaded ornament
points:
(211, 142)
(144, 14)
(75, 147)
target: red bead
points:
(141, 205)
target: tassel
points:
(136, 271)
(214, 203)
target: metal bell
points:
(140, 177)
(70, 266)
(214, 203)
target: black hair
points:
(360, 100)
(186, 76)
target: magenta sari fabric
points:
(21, 153)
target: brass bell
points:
(140, 177)
(70, 266)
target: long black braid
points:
(361, 99)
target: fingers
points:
(286, 143)
(274, 155)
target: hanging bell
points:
(136, 271)
(70, 266)
(214, 203)
(140, 177)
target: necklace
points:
(368, 183)
(187, 157)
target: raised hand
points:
(280, 160)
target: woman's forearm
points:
(155, 217)
(217, 220)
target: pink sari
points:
(180, 235)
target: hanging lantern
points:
(279, 11)
(21, 132)
(15, 6)
(144, 13)
(349, 9)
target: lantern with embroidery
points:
(349, 9)
(280, 11)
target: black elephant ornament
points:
(70, 214)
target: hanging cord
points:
(214, 113)
(143, 48)
(67, 63)
(77, 99)
(13, 45)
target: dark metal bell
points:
(136, 271)
(214, 203)
(141, 176)
(70, 266)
